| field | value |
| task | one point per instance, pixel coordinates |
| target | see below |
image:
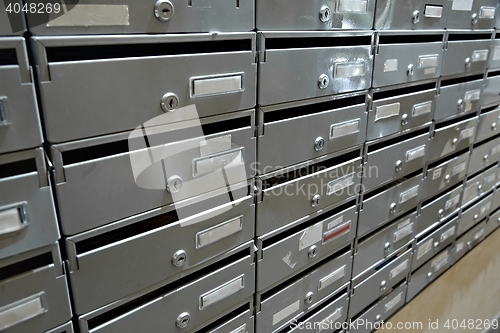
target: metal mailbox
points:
(469, 240)
(374, 249)
(495, 53)
(302, 131)
(318, 15)
(475, 213)
(430, 245)
(493, 222)
(19, 120)
(452, 136)
(279, 306)
(11, 20)
(405, 58)
(400, 110)
(215, 72)
(33, 291)
(324, 63)
(104, 169)
(472, 14)
(484, 154)
(411, 15)
(157, 16)
(302, 191)
(466, 53)
(174, 247)
(458, 96)
(443, 175)
(193, 302)
(479, 184)
(387, 203)
(491, 94)
(27, 213)
(438, 209)
(379, 283)
(306, 244)
(395, 158)
(422, 277)
(489, 122)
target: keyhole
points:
(166, 10)
(185, 321)
(171, 103)
(326, 14)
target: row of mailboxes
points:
(175, 16)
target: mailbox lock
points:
(474, 18)
(399, 165)
(498, 220)
(393, 208)
(416, 17)
(441, 213)
(479, 187)
(169, 102)
(319, 144)
(383, 285)
(313, 251)
(429, 276)
(309, 297)
(469, 245)
(323, 81)
(467, 62)
(476, 217)
(315, 200)
(378, 318)
(179, 258)
(454, 141)
(325, 14)
(410, 70)
(183, 320)
(164, 10)
(460, 105)
(436, 246)
(447, 178)
(494, 126)
(387, 248)
(174, 184)
(485, 157)
(404, 119)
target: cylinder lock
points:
(313, 251)
(474, 19)
(319, 144)
(411, 70)
(315, 200)
(179, 258)
(399, 165)
(309, 298)
(325, 14)
(169, 102)
(183, 320)
(323, 81)
(393, 208)
(467, 62)
(174, 184)
(416, 17)
(404, 119)
(164, 10)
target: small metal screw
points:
(454, 141)
(383, 285)
(174, 184)
(441, 213)
(179, 258)
(323, 81)
(436, 246)
(325, 14)
(169, 102)
(313, 251)
(467, 63)
(416, 17)
(319, 144)
(447, 178)
(474, 18)
(164, 10)
(399, 165)
(387, 248)
(410, 71)
(404, 119)
(309, 297)
(393, 208)
(429, 276)
(315, 200)
(183, 320)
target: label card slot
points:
(21, 311)
(345, 128)
(347, 70)
(415, 153)
(332, 278)
(222, 292)
(340, 184)
(216, 85)
(218, 232)
(422, 108)
(407, 195)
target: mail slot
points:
(401, 58)
(395, 158)
(33, 291)
(444, 174)
(438, 209)
(495, 53)
(400, 110)
(317, 15)
(458, 96)
(431, 243)
(294, 134)
(412, 15)
(19, 121)
(307, 189)
(132, 17)
(422, 277)
(388, 202)
(466, 53)
(484, 154)
(305, 244)
(479, 184)
(493, 222)
(375, 248)
(298, 296)
(127, 170)
(468, 241)
(380, 282)
(472, 14)
(491, 94)
(174, 247)
(27, 214)
(217, 73)
(489, 123)
(324, 64)
(475, 213)
(66, 328)
(11, 23)
(380, 311)
(200, 299)
(452, 136)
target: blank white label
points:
(216, 233)
(467, 133)
(415, 153)
(352, 6)
(440, 260)
(459, 168)
(480, 55)
(404, 223)
(327, 322)
(19, 312)
(485, 208)
(395, 301)
(452, 202)
(215, 162)
(222, 292)
(332, 278)
(387, 111)
(346, 70)
(286, 312)
(216, 86)
(494, 150)
(335, 222)
(470, 192)
(398, 270)
(462, 5)
(400, 234)
(447, 234)
(459, 248)
(424, 248)
(433, 11)
(10, 221)
(428, 61)
(487, 13)
(437, 173)
(340, 184)
(422, 108)
(345, 128)
(430, 70)
(411, 193)
(478, 235)
(311, 235)
(91, 16)
(390, 65)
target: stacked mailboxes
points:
(335, 162)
